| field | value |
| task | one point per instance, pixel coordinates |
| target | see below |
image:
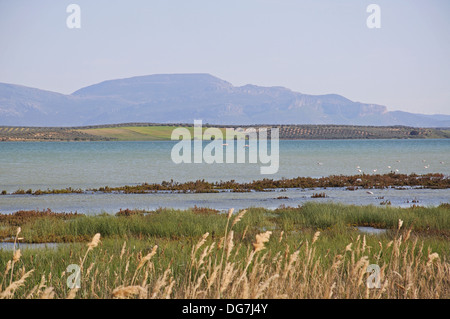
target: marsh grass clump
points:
(29, 219)
(319, 195)
(205, 210)
(130, 212)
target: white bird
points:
(358, 167)
(389, 167)
(427, 166)
(396, 170)
(359, 170)
(374, 170)
(369, 192)
(319, 163)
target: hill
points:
(181, 98)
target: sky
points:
(312, 47)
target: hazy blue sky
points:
(313, 47)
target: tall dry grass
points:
(226, 267)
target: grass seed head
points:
(260, 240)
(16, 256)
(94, 242)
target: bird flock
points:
(396, 170)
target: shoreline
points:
(351, 182)
(162, 132)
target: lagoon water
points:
(56, 165)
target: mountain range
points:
(181, 98)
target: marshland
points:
(138, 226)
(312, 251)
(434, 181)
(224, 150)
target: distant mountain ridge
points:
(181, 98)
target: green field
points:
(142, 133)
(148, 133)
